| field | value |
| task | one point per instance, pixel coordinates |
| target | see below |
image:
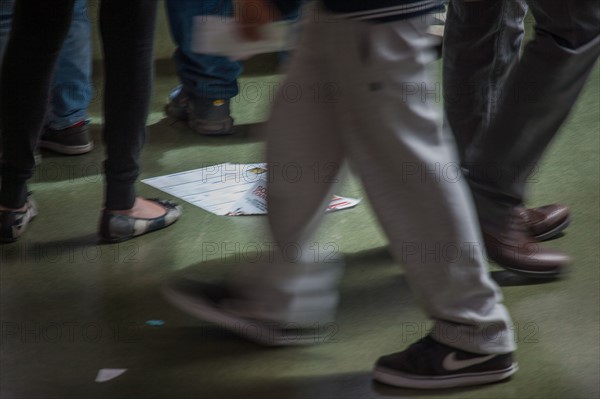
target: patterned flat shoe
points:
(117, 228)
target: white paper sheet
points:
(228, 189)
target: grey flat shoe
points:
(117, 228)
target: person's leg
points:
(292, 284)
(127, 30)
(71, 84)
(38, 31)
(6, 11)
(305, 155)
(67, 130)
(482, 40)
(204, 76)
(410, 171)
(208, 82)
(535, 101)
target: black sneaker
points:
(208, 302)
(13, 224)
(428, 364)
(210, 117)
(74, 140)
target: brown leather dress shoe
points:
(546, 221)
(515, 249)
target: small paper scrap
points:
(108, 374)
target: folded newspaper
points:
(220, 36)
(228, 189)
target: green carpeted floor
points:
(70, 307)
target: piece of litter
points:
(155, 323)
(108, 374)
(233, 189)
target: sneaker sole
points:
(403, 380)
(555, 231)
(537, 275)
(67, 149)
(255, 331)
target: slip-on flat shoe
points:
(116, 228)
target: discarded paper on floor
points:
(228, 189)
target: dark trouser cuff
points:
(120, 195)
(13, 192)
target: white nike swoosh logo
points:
(451, 363)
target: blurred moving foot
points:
(547, 221)
(513, 248)
(209, 302)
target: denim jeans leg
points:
(6, 10)
(71, 90)
(204, 76)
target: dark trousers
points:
(38, 31)
(504, 110)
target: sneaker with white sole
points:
(428, 364)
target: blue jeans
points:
(71, 89)
(205, 76)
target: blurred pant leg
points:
(368, 117)
(305, 153)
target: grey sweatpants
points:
(378, 116)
